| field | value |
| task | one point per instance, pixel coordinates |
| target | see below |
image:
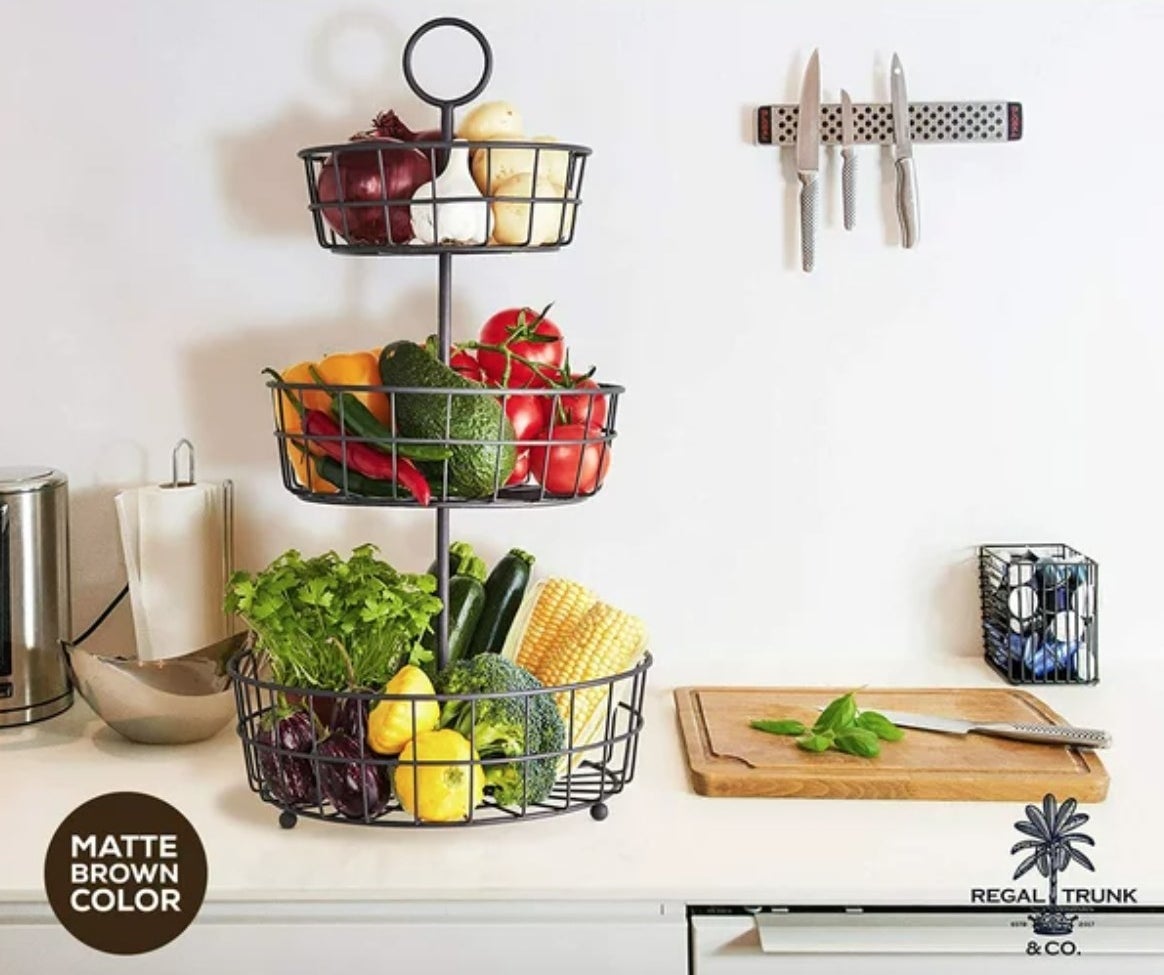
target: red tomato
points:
(464, 363)
(512, 328)
(571, 468)
(527, 414)
(584, 408)
(520, 469)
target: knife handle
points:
(1048, 734)
(849, 186)
(907, 210)
(809, 207)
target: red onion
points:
(358, 170)
(390, 125)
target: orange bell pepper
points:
(353, 369)
(341, 369)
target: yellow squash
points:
(439, 793)
(391, 724)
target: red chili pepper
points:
(363, 459)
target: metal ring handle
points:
(486, 73)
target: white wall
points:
(805, 462)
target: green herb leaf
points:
(329, 624)
(858, 741)
(816, 742)
(839, 714)
(783, 726)
(880, 725)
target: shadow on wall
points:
(956, 609)
(231, 417)
(97, 567)
(262, 180)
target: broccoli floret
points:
(497, 726)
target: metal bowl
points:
(164, 702)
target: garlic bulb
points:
(511, 218)
(462, 222)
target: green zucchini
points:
(466, 604)
(503, 591)
(463, 561)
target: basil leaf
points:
(858, 741)
(880, 725)
(839, 714)
(813, 742)
(782, 726)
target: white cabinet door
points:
(282, 938)
(916, 944)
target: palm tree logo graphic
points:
(1052, 835)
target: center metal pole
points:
(444, 341)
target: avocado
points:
(475, 469)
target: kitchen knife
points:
(907, 209)
(1045, 734)
(808, 159)
(849, 166)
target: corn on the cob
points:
(606, 641)
(561, 604)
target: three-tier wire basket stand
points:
(595, 752)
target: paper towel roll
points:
(174, 557)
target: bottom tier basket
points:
(290, 765)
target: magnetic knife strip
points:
(931, 122)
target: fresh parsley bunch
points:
(330, 624)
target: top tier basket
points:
(537, 213)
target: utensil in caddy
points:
(599, 754)
(173, 701)
(1040, 613)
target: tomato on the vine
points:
(571, 467)
(466, 365)
(520, 469)
(525, 333)
(583, 407)
(527, 413)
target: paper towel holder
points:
(227, 538)
(174, 482)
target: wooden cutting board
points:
(727, 758)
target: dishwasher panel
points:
(726, 941)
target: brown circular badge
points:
(125, 873)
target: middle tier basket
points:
(425, 436)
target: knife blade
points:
(907, 206)
(1046, 734)
(808, 159)
(849, 166)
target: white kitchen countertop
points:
(661, 842)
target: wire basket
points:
(340, 459)
(528, 199)
(1040, 613)
(290, 763)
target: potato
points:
(555, 165)
(502, 163)
(512, 217)
(492, 120)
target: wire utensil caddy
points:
(1040, 613)
(593, 744)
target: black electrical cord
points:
(100, 619)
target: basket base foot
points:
(599, 811)
(288, 819)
